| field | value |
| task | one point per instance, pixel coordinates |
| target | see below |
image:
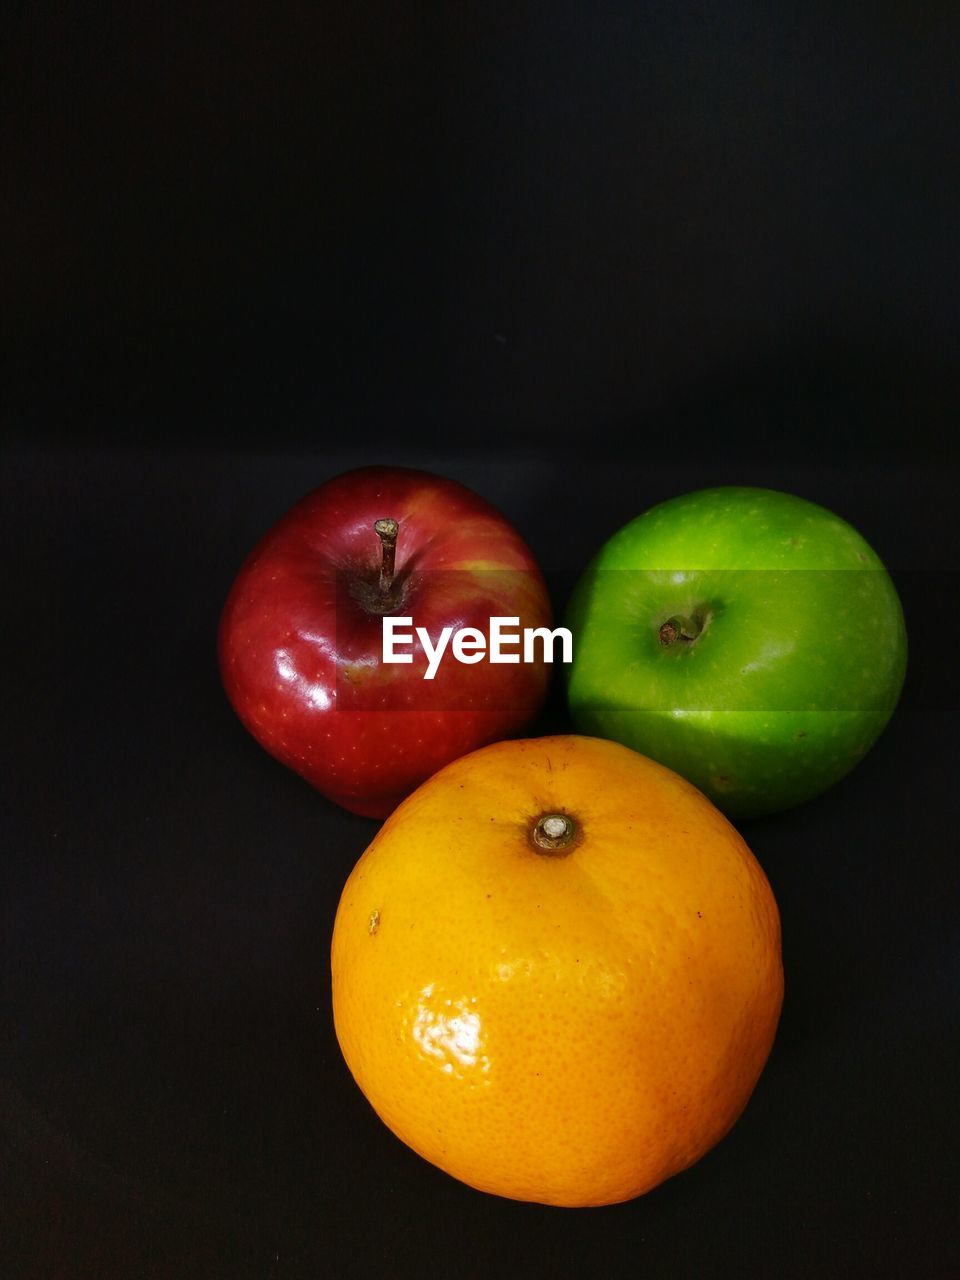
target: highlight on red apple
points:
(302, 635)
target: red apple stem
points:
(387, 531)
(680, 630)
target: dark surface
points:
(580, 257)
(173, 1099)
(531, 219)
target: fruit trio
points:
(541, 935)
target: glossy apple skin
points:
(301, 653)
(797, 668)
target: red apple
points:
(301, 636)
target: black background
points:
(581, 258)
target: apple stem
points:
(387, 531)
(680, 629)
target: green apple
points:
(750, 640)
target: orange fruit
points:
(556, 971)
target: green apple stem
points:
(679, 630)
(387, 531)
(554, 834)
